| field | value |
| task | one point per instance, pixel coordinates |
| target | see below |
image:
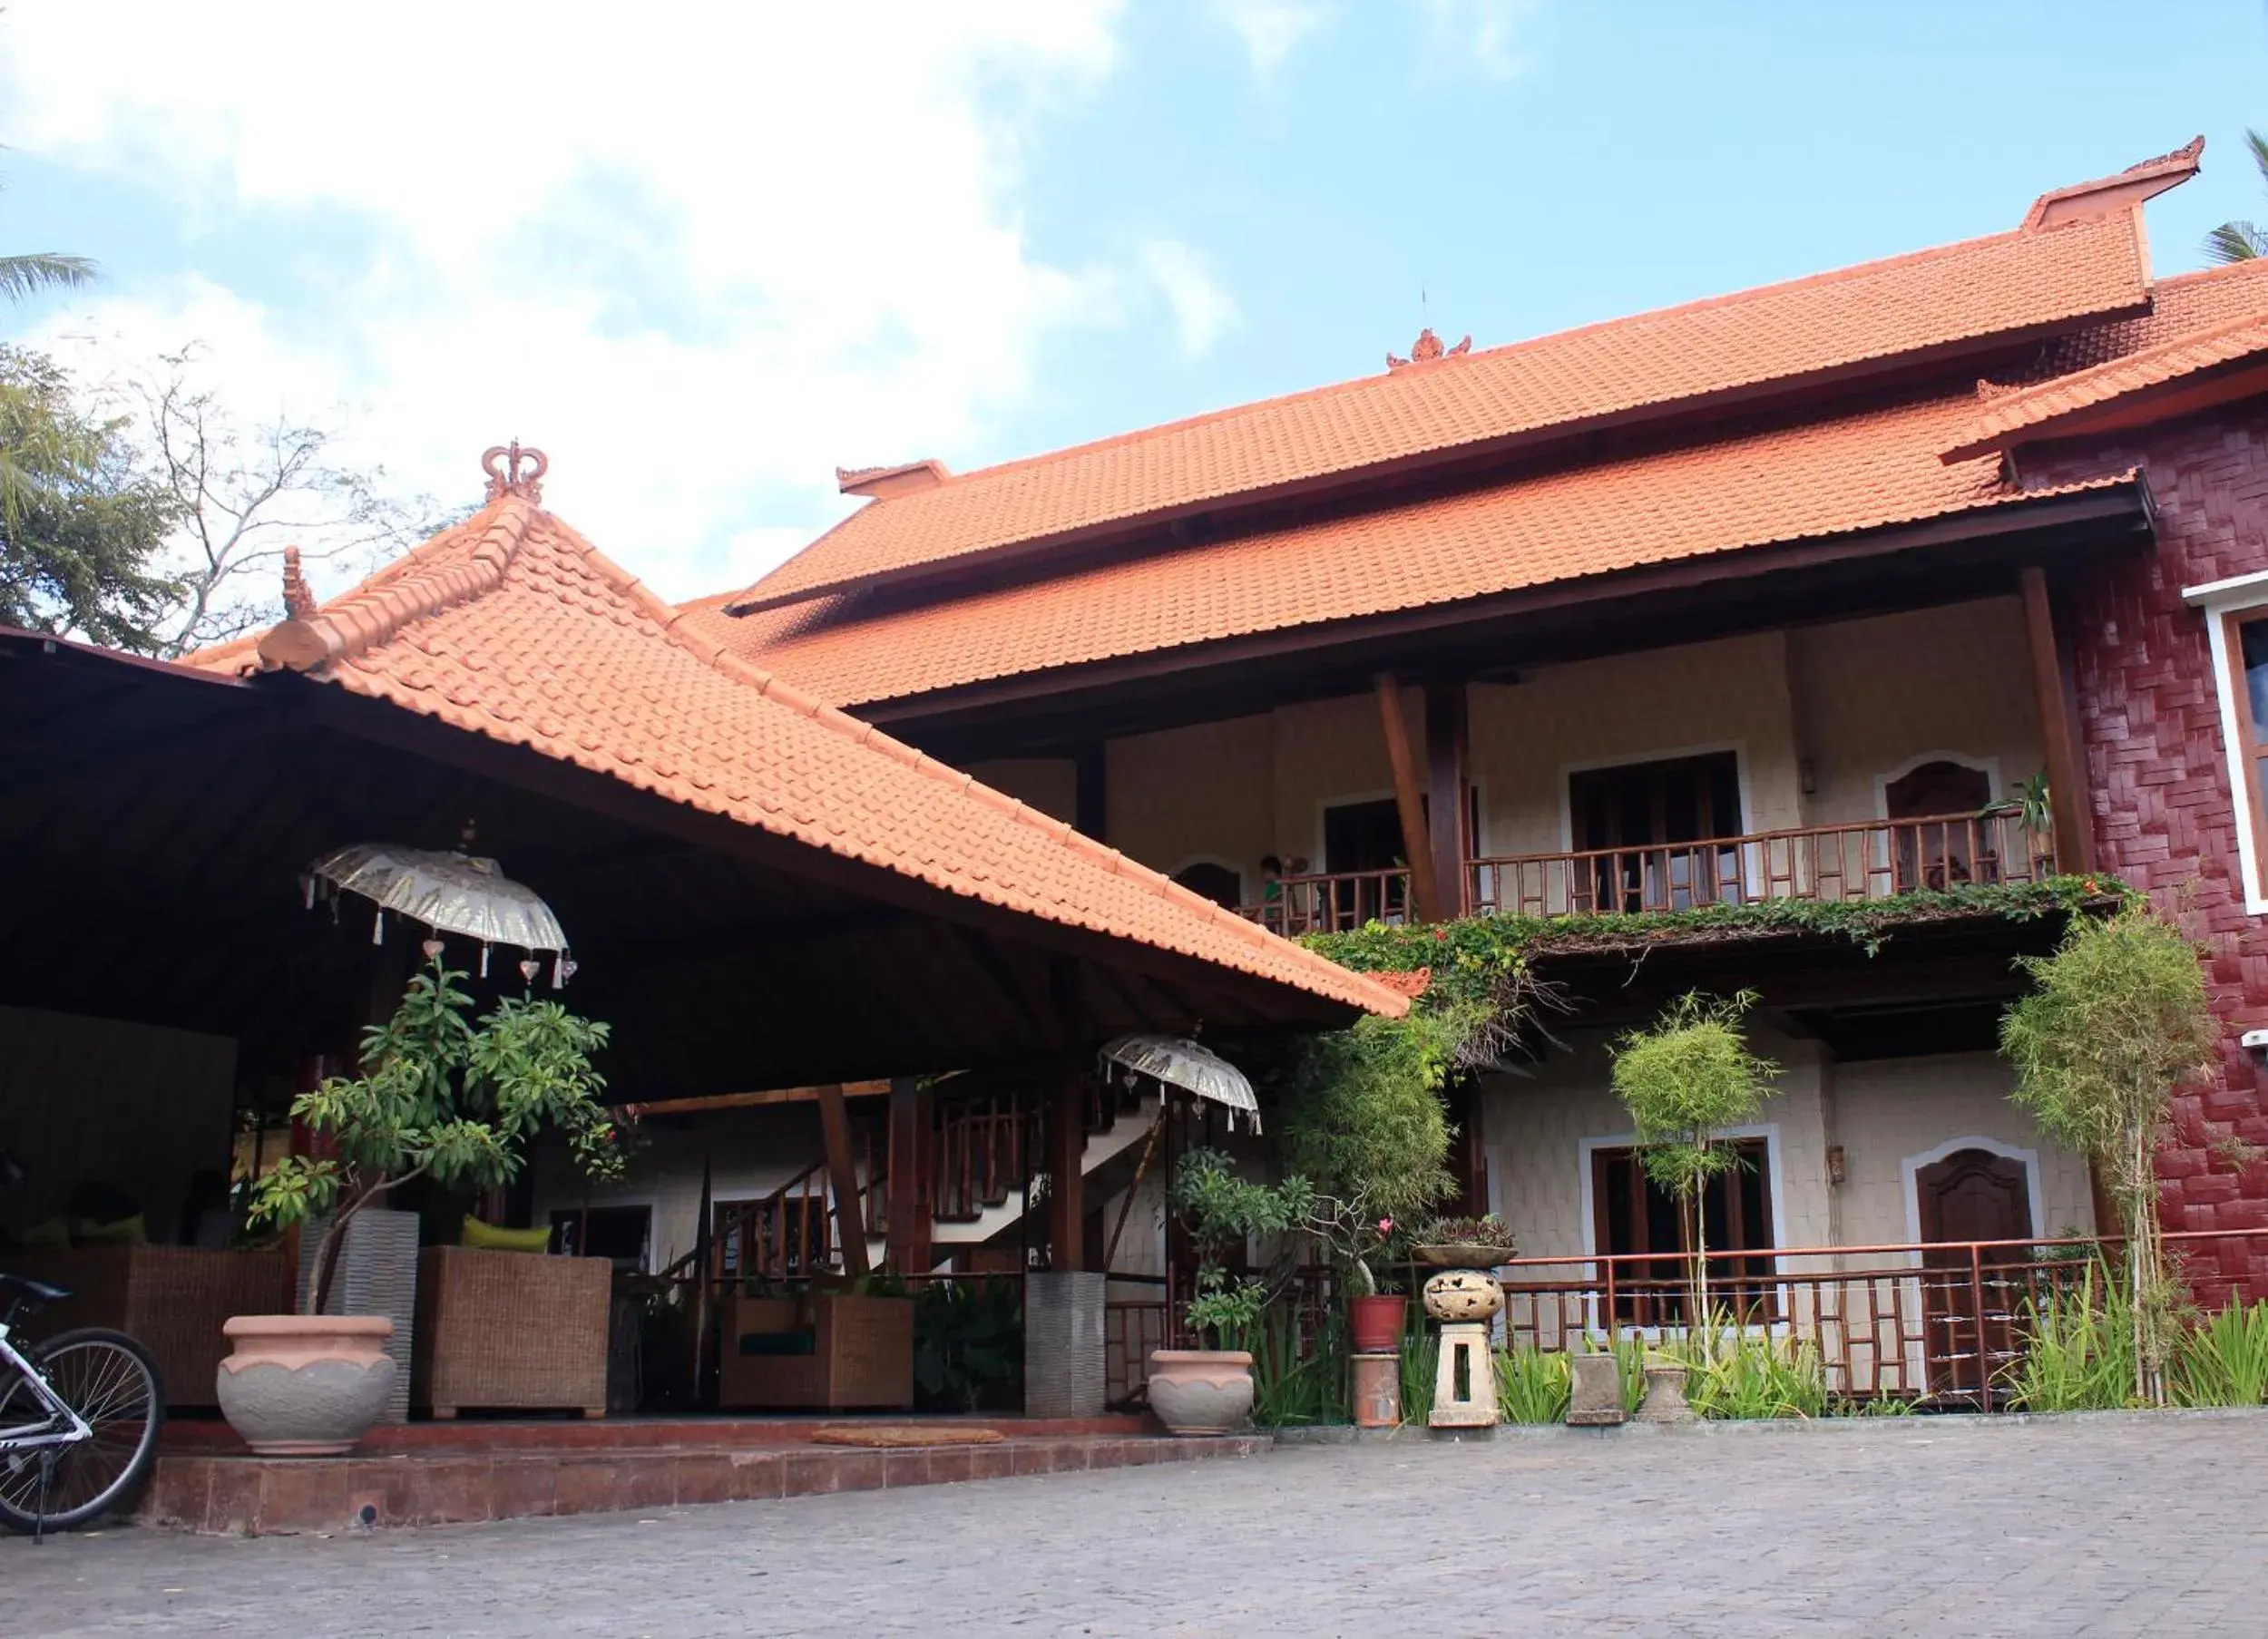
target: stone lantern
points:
(1464, 1301)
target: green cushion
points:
(487, 1237)
(779, 1343)
(120, 1232)
(49, 1233)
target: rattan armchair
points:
(853, 1352)
(510, 1331)
(170, 1299)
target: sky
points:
(704, 253)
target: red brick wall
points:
(2162, 816)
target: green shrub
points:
(1421, 1358)
(1741, 1374)
(2078, 1349)
(2224, 1360)
(1532, 1387)
(1292, 1387)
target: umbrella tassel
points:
(484, 959)
(377, 928)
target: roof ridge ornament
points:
(521, 474)
(1426, 349)
(299, 597)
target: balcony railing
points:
(1864, 859)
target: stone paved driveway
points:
(2117, 1524)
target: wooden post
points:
(841, 1176)
(1417, 845)
(909, 1201)
(1066, 1131)
(2059, 729)
(1090, 796)
(1448, 785)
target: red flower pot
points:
(1376, 1323)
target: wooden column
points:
(2058, 727)
(909, 1192)
(1416, 844)
(1067, 1129)
(1449, 782)
(841, 1176)
(1091, 799)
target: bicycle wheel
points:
(108, 1379)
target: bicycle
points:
(79, 1419)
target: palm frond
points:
(2235, 242)
(22, 275)
(2259, 146)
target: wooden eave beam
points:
(1417, 845)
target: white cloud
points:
(1271, 30)
(699, 254)
(1202, 310)
(1482, 37)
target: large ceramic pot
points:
(1200, 1390)
(1376, 1323)
(305, 1385)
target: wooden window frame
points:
(1650, 1307)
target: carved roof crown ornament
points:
(1426, 349)
(299, 597)
(514, 471)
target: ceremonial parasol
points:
(450, 891)
(1184, 1064)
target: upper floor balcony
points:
(1858, 860)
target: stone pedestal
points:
(1469, 1403)
(1665, 1400)
(1595, 1398)
(1377, 1391)
(1064, 1374)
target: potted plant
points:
(1364, 1125)
(438, 1097)
(1466, 1243)
(2034, 813)
(1208, 1389)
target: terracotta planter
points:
(1200, 1391)
(305, 1385)
(1376, 1323)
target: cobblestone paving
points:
(2113, 1525)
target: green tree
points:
(442, 1099)
(1362, 1123)
(2241, 242)
(2117, 1017)
(1219, 1210)
(1683, 1080)
(81, 527)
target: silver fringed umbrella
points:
(1186, 1065)
(450, 892)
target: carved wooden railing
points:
(788, 1233)
(1328, 901)
(1865, 859)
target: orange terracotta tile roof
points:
(2006, 284)
(1860, 470)
(510, 625)
(2041, 411)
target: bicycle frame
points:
(64, 1427)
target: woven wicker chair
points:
(172, 1299)
(861, 1354)
(510, 1331)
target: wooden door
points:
(1651, 815)
(1973, 1194)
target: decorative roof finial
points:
(298, 600)
(521, 474)
(1426, 349)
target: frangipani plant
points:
(1218, 1209)
(441, 1097)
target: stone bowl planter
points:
(1200, 1391)
(1463, 1255)
(305, 1385)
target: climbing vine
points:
(1475, 958)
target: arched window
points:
(1215, 882)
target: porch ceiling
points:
(154, 823)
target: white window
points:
(2236, 624)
